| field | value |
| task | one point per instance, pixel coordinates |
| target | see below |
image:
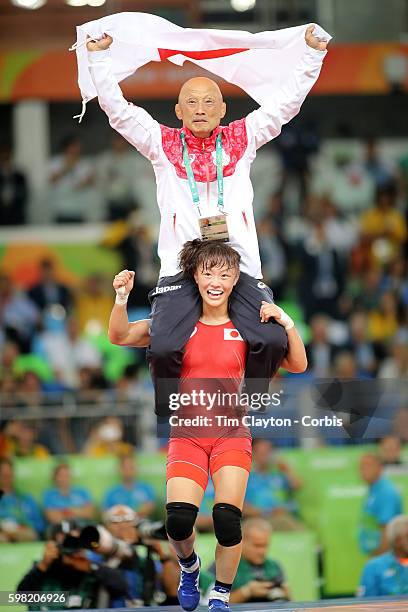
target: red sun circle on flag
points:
(234, 333)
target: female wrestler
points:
(215, 350)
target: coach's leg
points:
(176, 307)
(267, 341)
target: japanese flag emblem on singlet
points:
(232, 334)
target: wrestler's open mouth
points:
(214, 293)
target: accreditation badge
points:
(214, 228)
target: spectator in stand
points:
(266, 176)
(381, 504)
(49, 291)
(8, 357)
(380, 169)
(321, 277)
(270, 487)
(93, 305)
(295, 146)
(13, 190)
(396, 364)
(22, 442)
(345, 365)
(8, 391)
(139, 495)
(395, 278)
(360, 346)
(29, 390)
(341, 232)
(388, 573)
(258, 578)
(384, 226)
(67, 351)
(383, 321)
(107, 439)
(347, 182)
(70, 177)
(273, 257)
(129, 386)
(20, 516)
(92, 388)
(18, 314)
(390, 452)
(367, 289)
(116, 178)
(137, 250)
(400, 424)
(65, 501)
(320, 352)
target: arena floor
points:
(331, 605)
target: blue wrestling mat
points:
(380, 604)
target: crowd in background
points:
(332, 227)
(66, 510)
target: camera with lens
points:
(99, 539)
(151, 530)
(71, 537)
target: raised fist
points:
(99, 45)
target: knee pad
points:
(227, 524)
(180, 520)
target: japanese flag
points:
(232, 334)
(258, 63)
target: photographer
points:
(258, 578)
(149, 576)
(65, 567)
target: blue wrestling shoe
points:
(188, 592)
(216, 605)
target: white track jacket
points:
(240, 141)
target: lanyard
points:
(190, 175)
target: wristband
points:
(285, 320)
(121, 296)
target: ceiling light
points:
(29, 4)
(243, 5)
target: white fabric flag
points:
(258, 63)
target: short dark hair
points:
(207, 254)
(59, 467)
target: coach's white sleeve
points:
(266, 122)
(134, 123)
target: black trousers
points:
(176, 308)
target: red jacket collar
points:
(201, 144)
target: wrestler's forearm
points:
(295, 360)
(118, 324)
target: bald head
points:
(200, 106)
(199, 85)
